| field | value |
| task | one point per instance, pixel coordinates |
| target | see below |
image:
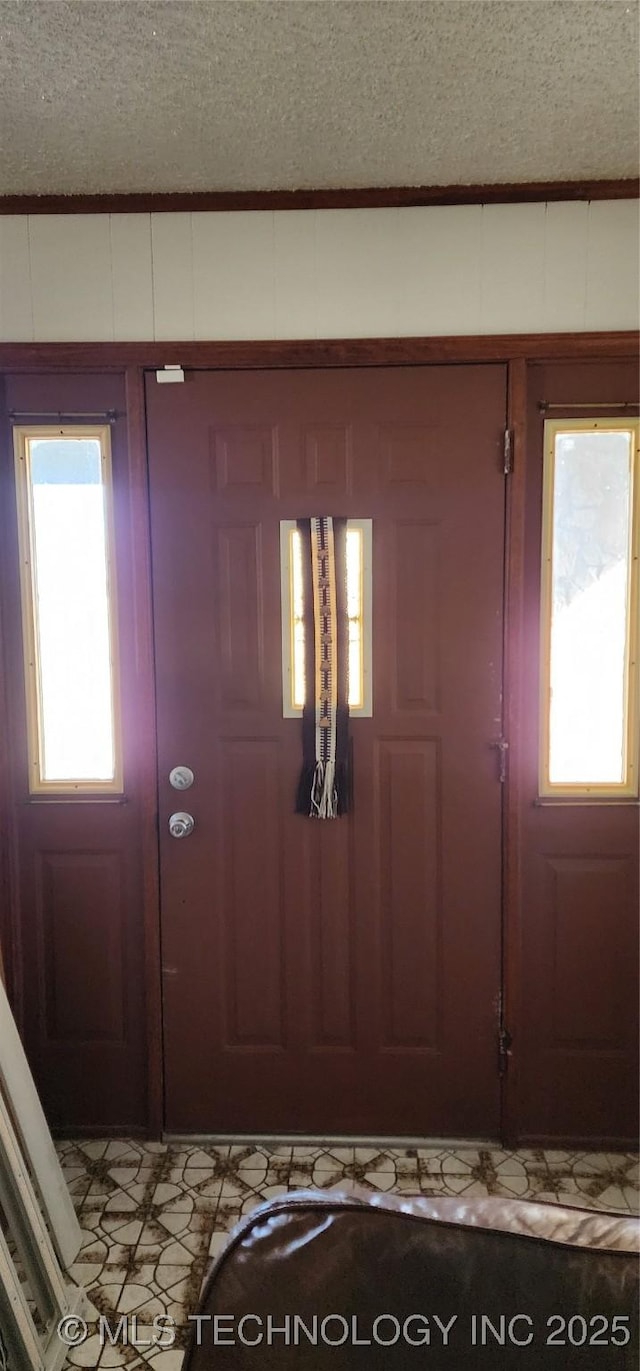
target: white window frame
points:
(42, 1225)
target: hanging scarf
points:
(324, 782)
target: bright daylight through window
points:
(358, 556)
(589, 630)
(63, 485)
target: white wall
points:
(567, 266)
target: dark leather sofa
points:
(335, 1280)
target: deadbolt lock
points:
(181, 777)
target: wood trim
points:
(117, 1130)
(513, 658)
(147, 780)
(334, 352)
(369, 197)
(10, 931)
(574, 1142)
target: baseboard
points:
(68, 1133)
(571, 1143)
(325, 1140)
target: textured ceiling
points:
(162, 95)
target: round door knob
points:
(181, 777)
(181, 825)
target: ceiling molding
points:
(372, 197)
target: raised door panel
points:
(252, 920)
(329, 890)
(590, 971)
(81, 913)
(409, 836)
(417, 573)
(240, 578)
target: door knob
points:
(181, 825)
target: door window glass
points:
(358, 556)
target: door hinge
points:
(502, 747)
(508, 452)
(505, 1041)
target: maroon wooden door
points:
(576, 1033)
(331, 976)
(76, 866)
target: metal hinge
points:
(502, 747)
(508, 452)
(505, 1041)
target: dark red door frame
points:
(513, 658)
(333, 352)
(133, 359)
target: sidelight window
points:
(589, 629)
(358, 559)
(64, 495)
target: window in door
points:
(359, 608)
(64, 497)
(589, 629)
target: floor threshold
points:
(329, 1140)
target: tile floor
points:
(154, 1214)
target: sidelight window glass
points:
(63, 481)
(589, 677)
(358, 558)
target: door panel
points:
(79, 877)
(576, 1045)
(341, 975)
